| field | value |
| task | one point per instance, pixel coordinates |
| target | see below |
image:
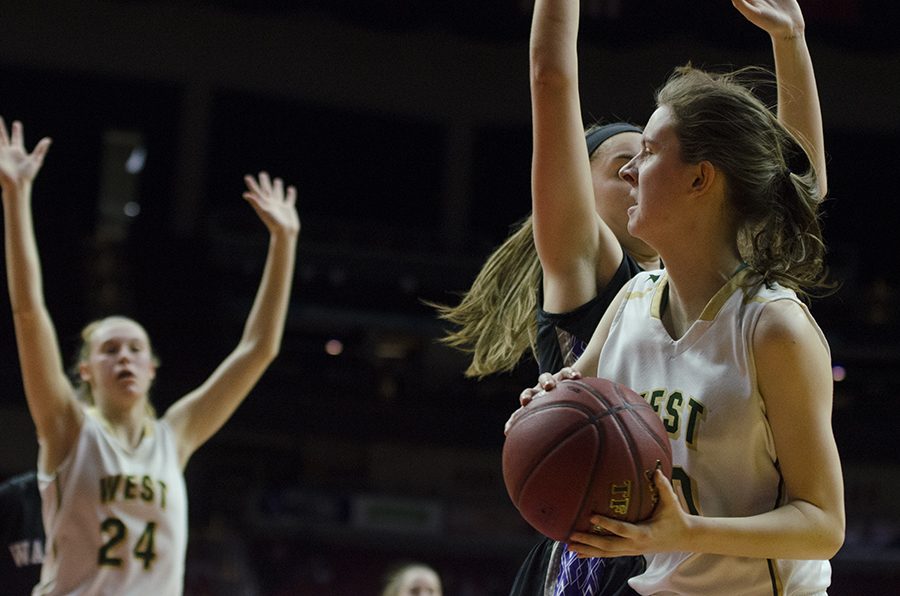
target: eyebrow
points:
(122, 340)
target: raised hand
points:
(275, 205)
(781, 18)
(17, 166)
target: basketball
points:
(588, 446)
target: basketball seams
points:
(590, 421)
(591, 418)
(575, 453)
(663, 443)
(641, 474)
(535, 466)
(567, 433)
(623, 431)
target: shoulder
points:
(787, 342)
(786, 321)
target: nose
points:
(628, 172)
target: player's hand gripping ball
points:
(588, 446)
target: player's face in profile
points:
(658, 176)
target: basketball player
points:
(110, 471)
(585, 252)
(21, 534)
(722, 347)
(568, 283)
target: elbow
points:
(547, 79)
(268, 353)
(833, 539)
(260, 353)
(825, 531)
(830, 536)
(547, 73)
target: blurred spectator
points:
(412, 579)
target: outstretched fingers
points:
(17, 165)
(18, 135)
(274, 203)
(776, 17)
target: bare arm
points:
(794, 374)
(798, 97)
(49, 394)
(198, 415)
(570, 237)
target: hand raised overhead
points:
(17, 165)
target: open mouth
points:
(125, 374)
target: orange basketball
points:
(587, 446)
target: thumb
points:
(665, 491)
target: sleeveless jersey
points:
(115, 518)
(724, 462)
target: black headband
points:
(598, 135)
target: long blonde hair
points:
(495, 321)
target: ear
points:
(705, 177)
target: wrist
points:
(16, 189)
(793, 34)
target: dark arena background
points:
(405, 126)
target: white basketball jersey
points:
(724, 462)
(115, 518)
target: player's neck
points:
(690, 291)
(129, 427)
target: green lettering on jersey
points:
(696, 412)
(673, 407)
(672, 410)
(147, 488)
(653, 398)
(108, 487)
(130, 486)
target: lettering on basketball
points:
(681, 416)
(126, 487)
(620, 498)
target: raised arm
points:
(198, 415)
(576, 248)
(51, 399)
(798, 96)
